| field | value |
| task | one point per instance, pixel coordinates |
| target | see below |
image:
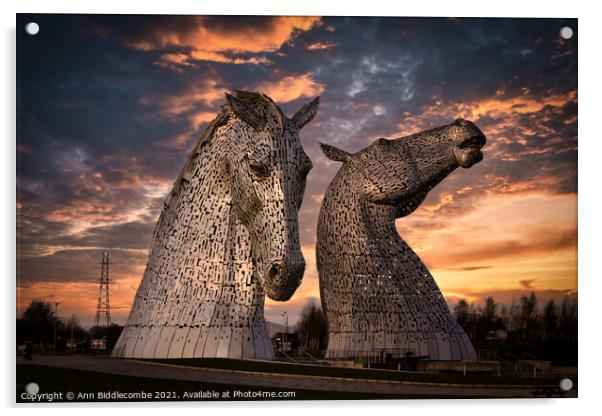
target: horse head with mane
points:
(228, 235)
(375, 291)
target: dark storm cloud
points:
(131, 235)
(166, 30)
(108, 107)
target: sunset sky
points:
(109, 106)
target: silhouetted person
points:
(28, 354)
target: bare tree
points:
(528, 316)
(312, 327)
(568, 318)
(37, 323)
(550, 319)
(462, 313)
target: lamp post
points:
(56, 307)
(285, 336)
(72, 323)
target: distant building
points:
(497, 335)
(98, 344)
(72, 345)
(285, 342)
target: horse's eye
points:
(260, 168)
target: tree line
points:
(524, 320)
(37, 325)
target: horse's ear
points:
(245, 112)
(306, 113)
(334, 153)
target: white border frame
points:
(590, 206)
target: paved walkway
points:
(283, 381)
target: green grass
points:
(55, 379)
(313, 370)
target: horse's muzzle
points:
(282, 279)
(468, 153)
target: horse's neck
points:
(361, 226)
(199, 248)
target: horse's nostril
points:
(275, 271)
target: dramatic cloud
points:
(204, 92)
(318, 46)
(220, 39)
(109, 107)
(291, 88)
(533, 241)
(176, 61)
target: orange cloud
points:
(202, 117)
(175, 61)
(528, 186)
(237, 39)
(205, 92)
(179, 142)
(532, 242)
(192, 104)
(215, 44)
(290, 88)
(498, 107)
(101, 202)
(318, 46)
(444, 199)
(182, 141)
(90, 211)
(217, 57)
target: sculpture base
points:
(434, 346)
(194, 342)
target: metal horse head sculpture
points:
(376, 292)
(227, 235)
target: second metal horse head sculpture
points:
(376, 292)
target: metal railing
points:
(525, 364)
(282, 356)
(379, 356)
(307, 356)
(487, 355)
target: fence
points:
(380, 356)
